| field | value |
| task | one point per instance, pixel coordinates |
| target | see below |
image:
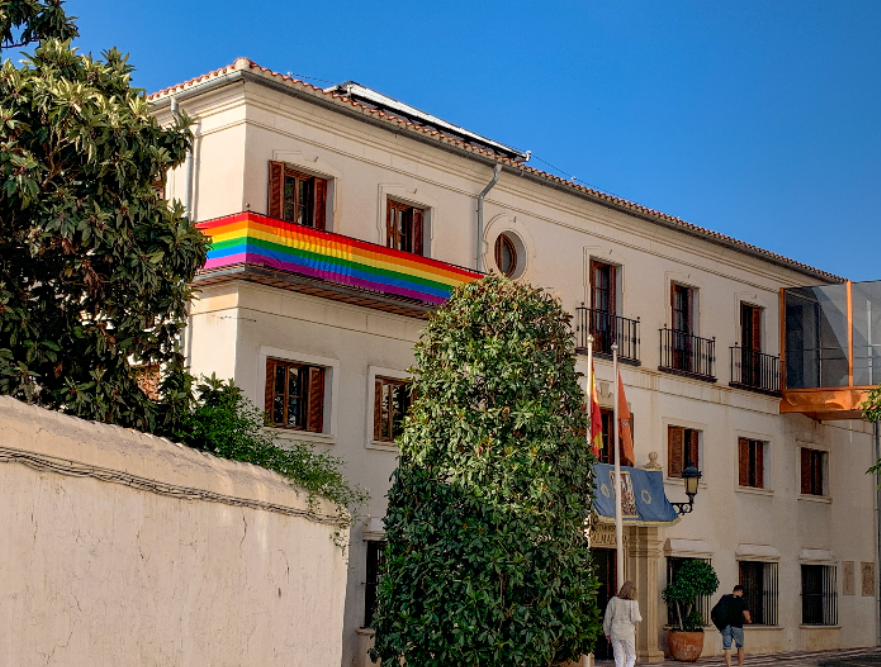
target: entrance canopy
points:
(644, 502)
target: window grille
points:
(819, 598)
(375, 565)
(760, 590)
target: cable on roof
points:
(294, 75)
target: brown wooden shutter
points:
(756, 328)
(276, 189)
(760, 465)
(269, 391)
(417, 220)
(613, 281)
(594, 267)
(389, 225)
(805, 470)
(675, 451)
(743, 462)
(377, 410)
(689, 314)
(672, 305)
(694, 449)
(315, 418)
(817, 469)
(320, 215)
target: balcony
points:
(607, 329)
(253, 247)
(831, 348)
(755, 371)
(685, 354)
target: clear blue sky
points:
(754, 118)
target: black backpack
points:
(719, 614)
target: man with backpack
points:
(729, 615)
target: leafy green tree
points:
(487, 563)
(95, 267)
(694, 579)
(23, 22)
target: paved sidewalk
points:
(857, 657)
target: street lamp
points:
(692, 476)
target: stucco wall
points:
(119, 548)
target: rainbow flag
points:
(251, 238)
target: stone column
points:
(643, 555)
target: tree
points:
(95, 265)
(487, 563)
(23, 22)
(694, 578)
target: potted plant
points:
(686, 638)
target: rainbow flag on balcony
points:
(252, 238)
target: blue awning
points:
(643, 498)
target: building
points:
(340, 217)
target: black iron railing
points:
(607, 329)
(754, 370)
(686, 354)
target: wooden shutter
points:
(675, 451)
(594, 267)
(689, 312)
(276, 189)
(416, 222)
(805, 470)
(320, 195)
(743, 462)
(613, 281)
(756, 328)
(377, 410)
(269, 391)
(760, 465)
(817, 470)
(315, 417)
(389, 225)
(694, 448)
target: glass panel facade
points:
(816, 337)
(866, 333)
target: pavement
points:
(856, 657)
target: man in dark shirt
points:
(738, 614)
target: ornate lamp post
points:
(692, 476)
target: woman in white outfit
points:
(619, 625)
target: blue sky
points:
(757, 119)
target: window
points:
(506, 255)
(683, 450)
(759, 581)
(702, 604)
(750, 327)
(603, 279)
(682, 303)
(375, 564)
(606, 453)
(751, 460)
(819, 599)
(813, 465)
(404, 227)
(297, 197)
(295, 395)
(390, 403)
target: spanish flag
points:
(596, 417)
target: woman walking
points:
(619, 625)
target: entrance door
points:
(606, 571)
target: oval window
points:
(506, 255)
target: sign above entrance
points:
(644, 500)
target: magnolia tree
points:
(95, 265)
(486, 561)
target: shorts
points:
(729, 634)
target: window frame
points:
(409, 236)
(375, 561)
(505, 240)
(313, 391)
(826, 581)
(767, 612)
(752, 463)
(686, 311)
(608, 415)
(402, 385)
(816, 461)
(316, 209)
(609, 273)
(694, 449)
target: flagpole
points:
(619, 519)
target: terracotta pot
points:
(685, 646)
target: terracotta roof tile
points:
(617, 202)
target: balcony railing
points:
(754, 370)
(327, 264)
(607, 329)
(685, 354)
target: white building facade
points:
(304, 191)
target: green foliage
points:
(694, 578)
(487, 563)
(94, 266)
(225, 423)
(871, 407)
(25, 21)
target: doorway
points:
(606, 569)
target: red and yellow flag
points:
(596, 417)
